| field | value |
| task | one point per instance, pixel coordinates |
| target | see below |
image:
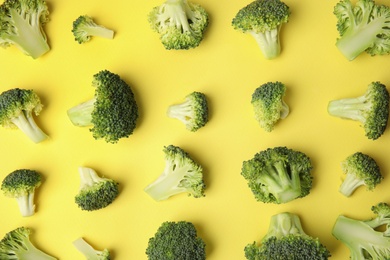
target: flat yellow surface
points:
(227, 67)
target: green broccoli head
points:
(181, 175)
(176, 240)
(89, 252)
(22, 24)
(20, 185)
(286, 239)
(112, 113)
(268, 104)
(278, 175)
(84, 28)
(263, 20)
(180, 24)
(192, 112)
(371, 109)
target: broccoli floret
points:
(112, 112)
(360, 170)
(176, 240)
(84, 28)
(21, 184)
(16, 244)
(278, 175)
(263, 20)
(362, 237)
(268, 104)
(181, 175)
(180, 24)
(22, 24)
(193, 111)
(371, 109)
(17, 107)
(286, 239)
(362, 27)
(89, 252)
(95, 192)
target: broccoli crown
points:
(181, 24)
(193, 112)
(84, 28)
(362, 27)
(362, 237)
(22, 25)
(181, 175)
(286, 239)
(176, 240)
(268, 104)
(89, 252)
(371, 109)
(95, 192)
(278, 175)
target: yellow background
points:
(227, 67)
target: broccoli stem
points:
(30, 252)
(26, 204)
(101, 32)
(268, 42)
(349, 185)
(284, 224)
(88, 177)
(86, 249)
(285, 110)
(26, 123)
(349, 108)
(81, 115)
(177, 12)
(181, 111)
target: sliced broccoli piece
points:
(371, 109)
(89, 252)
(84, 28)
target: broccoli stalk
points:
(89, 252)
(84, 28)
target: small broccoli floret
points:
(176, 240)
(286, 239)
(362, 27)
(17, 107)
(20, 185)
(112, 112)
(89, 252)
(362, 237)
(263, 20)
(278, 175)
(268, 104)
(84, 28)
(181, 24)
(22, 24)
(16, 244)
(95, 192)
(371, 109)
(193, 111)
(181, 175)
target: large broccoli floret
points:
(16, 244)
(286, 239)
(278, 175)
(176, 240)
(181, 24)
(362, 237)
(192, 112)
(362, 27)
(21, 24)
(17, 107)
(89, 252)
(181, 175)
(20, 185)
(268, 104)
(371, 109)
(84, 28)
(263, 20)
(112, 112)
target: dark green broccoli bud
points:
(268, 104)
(181, 175)
(180, 24)
(89, 252)
(95, 192)
(193, 111)
(263, 20)
(286, 239)
(20, 185)
(278, 175)
(176, 240)
(370, 109)
(362, 27)
(16, 244)
(22, 24)
(362, 237)
(17, 107)
(112, 113)
(84, 28)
